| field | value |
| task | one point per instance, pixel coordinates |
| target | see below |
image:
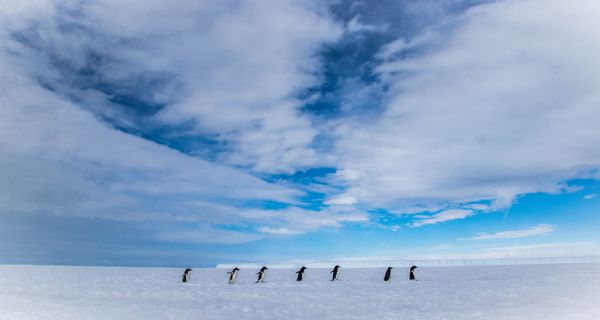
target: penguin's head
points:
(390, 268)
(336, 267)
(264, 268)
(303, 268)
(236, 269)
(413, 268)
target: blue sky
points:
(174, 133)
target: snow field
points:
(569, 291)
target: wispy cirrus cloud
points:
(443, 216)
(540, 229)
(590, 196)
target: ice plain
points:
(562, 291)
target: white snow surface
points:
(567, 291)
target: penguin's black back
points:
(260, 275)
(186, 275)
(411, 275)
(334, 272)
(300, 273)
(232, 273)
(388, 274)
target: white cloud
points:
(538, 230)
(443, 216)
(354, 25)
(590, 196)
(226, 68)
(207, 235)
(239, 74)
(279, 231)
(400, 46)
(504, 103)
(232, 68)
(348, 201)
(296, 220)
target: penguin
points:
(261, 275)
(335, 273)
(186, 275)
(413, 273)
(388, 274)
(233, 275)
(300, 274)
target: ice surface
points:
(568, 291)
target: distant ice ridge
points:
(417, 262)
